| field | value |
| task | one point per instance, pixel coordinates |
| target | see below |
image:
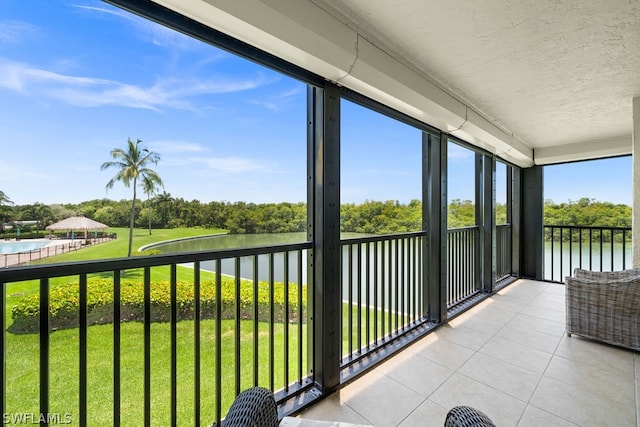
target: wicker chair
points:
(605, 306)
(466, 416)
(254, 407)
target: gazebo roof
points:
(77, 223)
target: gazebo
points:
(77, 223)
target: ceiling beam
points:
(588, 150)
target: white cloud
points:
(95, 92)
(163, 147)
(217, 166)
(12, 32)
(154, 33)
(280, 101)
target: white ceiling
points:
(533, 81)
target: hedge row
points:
(64, 303)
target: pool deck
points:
(55, 247)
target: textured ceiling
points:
(551, 72)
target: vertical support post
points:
(324, 152)
(515, 203)
(488, 224)
(478, 182)
(509, 208)
(635, 243)
(434, 213)
(532, 231)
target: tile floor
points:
(509, 357)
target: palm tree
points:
(165, 200)
(132, 165)
(5, 202)
(149, 186)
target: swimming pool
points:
(22, 246)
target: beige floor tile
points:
(517, 354)
(500, 375)
(419, 374)
(502, 408)
(580, 406)
(534, 417)
(381, 400)
(529, 338)
(550, 302)
(610, 358)
(442, 351)
(488, 321)
(545, 313)
(537, 324)
(517, 367)
(593, 379)
(463, 336)
(509, 304)
(428, 414)
(333, 409)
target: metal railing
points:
(188, 368)
(504, 251)
(168, 366)
(17, 258)
(592, 248)
(463, 264)
(383, 291)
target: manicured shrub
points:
(64, 303)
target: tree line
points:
(373, 217)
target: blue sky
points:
(79, 78)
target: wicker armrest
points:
(606, 275)
(254, 407)
(466, 416)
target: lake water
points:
(297, 262)
(234, 241)
(573, 258)
(231, 241)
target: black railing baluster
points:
(147, 346)
(390, 289)
(601, 255)
(383, 276)
(271, 323)
(236, 321)
(174, 344)
(286, 322)
(367, 298)
(359, 301)
(256, 322)
(376, 265)
(300, 319)
(612, 243)
(116, 347)
(44, 347)
(350, 299)
(82, 347)
(196, 343)
(218, 340)
(571, 229)
(624, 249)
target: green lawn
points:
(22, 373)
(22, 354)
